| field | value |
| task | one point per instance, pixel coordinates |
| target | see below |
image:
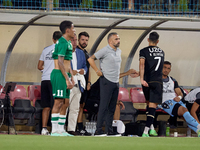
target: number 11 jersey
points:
(154, 59)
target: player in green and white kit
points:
(60, 78)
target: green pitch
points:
(38, 142)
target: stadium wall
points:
(181, 48)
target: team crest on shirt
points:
(167, 104)
(166, 88)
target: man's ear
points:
(67, 30)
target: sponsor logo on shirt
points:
(49, 56)
(155, 51)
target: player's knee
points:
(47, 109)
(65, 105)
(57, 103)
(184, 109)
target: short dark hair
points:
(84, 34)
(57, 35)
(167, 63)
(153, 37)
(65, 25)
(111, 34)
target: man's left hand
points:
(121, 105)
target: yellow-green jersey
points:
(63, 48)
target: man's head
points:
(56, 36)
(83, 38)
(166, 68)
(113, 40)
(74, 42)
(153, 38)
(67, 27)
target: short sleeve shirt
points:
(193, 96)
(154, 59)
(46, 57)
(63, 48)
(110, 63)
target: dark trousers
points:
(108, 99)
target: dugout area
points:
(25, 34)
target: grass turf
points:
(38, 142)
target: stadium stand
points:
(22, 108)
(141, 9)
(38, 108)
(137, 98)
(34, 92)
(139, 102)
(123, 95)
(19, 92)
(129, 113)
(160, 7)
(38, 115)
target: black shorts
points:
(46, 94)
(197, 101)
(153, 93)
(84, 96)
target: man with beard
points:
(110, 62)
(171, 100)
(83, 39)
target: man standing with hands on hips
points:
(110, 62)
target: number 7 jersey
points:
(154, 59)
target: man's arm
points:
(62, 69)
(193, 110)
(177, 91)
(141, 67)
(179, 94)
(72, 78)
(89, 80)
(129, 72)
(84, 68)
(40, 65)
(93, 65)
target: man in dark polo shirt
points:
(110, 62)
